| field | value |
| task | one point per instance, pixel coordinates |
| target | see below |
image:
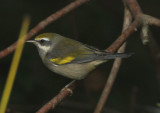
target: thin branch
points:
(134, 7)
(123, 37)
(66, 91)
(136, 11)
(44, 23)
(115, 68)
(151, 20)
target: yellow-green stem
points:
(14, 65)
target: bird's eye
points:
(42, 41)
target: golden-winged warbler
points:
(70, 58)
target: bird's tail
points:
(105, 56)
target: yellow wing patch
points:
(60, 61)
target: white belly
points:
(74, 71)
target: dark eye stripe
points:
(42, 41)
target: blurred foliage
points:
(98, 23)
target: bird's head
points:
(45, 42)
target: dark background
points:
(97, 23)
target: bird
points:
(71, 58)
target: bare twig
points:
(58, 98)
(123, 37)
(137, 13)
(115, 68)
(134, 7)
(44, 23)
(152, 20)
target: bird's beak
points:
(31, 41)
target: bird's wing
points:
(70, 51)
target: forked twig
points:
(141, 20)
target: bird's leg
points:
(67, 87)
